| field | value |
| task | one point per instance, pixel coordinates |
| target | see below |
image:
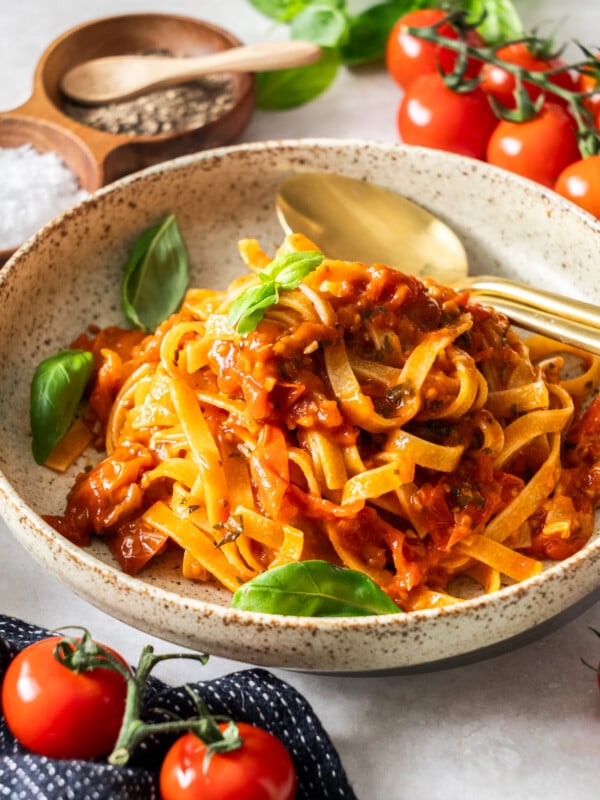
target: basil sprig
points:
(154, 281)
(500, 21)
(350, 39)
(290, 88)
(156, 275)
(313, 589)
(57, 388)
(285, 272)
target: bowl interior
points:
(68, 278)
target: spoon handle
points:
(262, 56)
(557, 305)
(571, 331)
(111, 78)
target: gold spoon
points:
(112, 78)
(355, 220)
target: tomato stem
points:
(587, 664)
(83, 654)
(525, 109)
(134, 729)
(590, 666)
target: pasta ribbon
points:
(189, 537)
(203, 450)
(386, 423)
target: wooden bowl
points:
(98, 157)
(46, 136)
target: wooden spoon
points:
(112, 78)
(356, 220)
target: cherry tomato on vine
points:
(408, 57)
(432, 115)
(580, 183)
(261, 769)
(500, 84)
(587, 83)
(56, 712)
(538, 149)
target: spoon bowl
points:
(113, 78)
(356, 220)
(353, 219)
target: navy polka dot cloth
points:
(254, 695)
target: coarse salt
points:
(34, 188)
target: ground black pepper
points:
(179, 108)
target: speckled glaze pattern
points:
(67, 277)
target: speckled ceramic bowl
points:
(68, 277)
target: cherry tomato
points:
(538, 149)
(587, 83)
(261, 769)
(500, 84)
(59, 713)
(408, 57)
(580, 183)
(432, 115)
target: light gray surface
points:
(525, 724)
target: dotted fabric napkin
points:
(254, 695)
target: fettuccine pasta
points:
(382, 422)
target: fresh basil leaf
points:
(289, 88)
(368, 31)
(313, 589)
(57, 387)
(500, 23)
(155, 276)
(249, 307)
(294, 273)
(284, 267)
(279, 10)
(251, 318)
(321, 24)
(286, 271)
